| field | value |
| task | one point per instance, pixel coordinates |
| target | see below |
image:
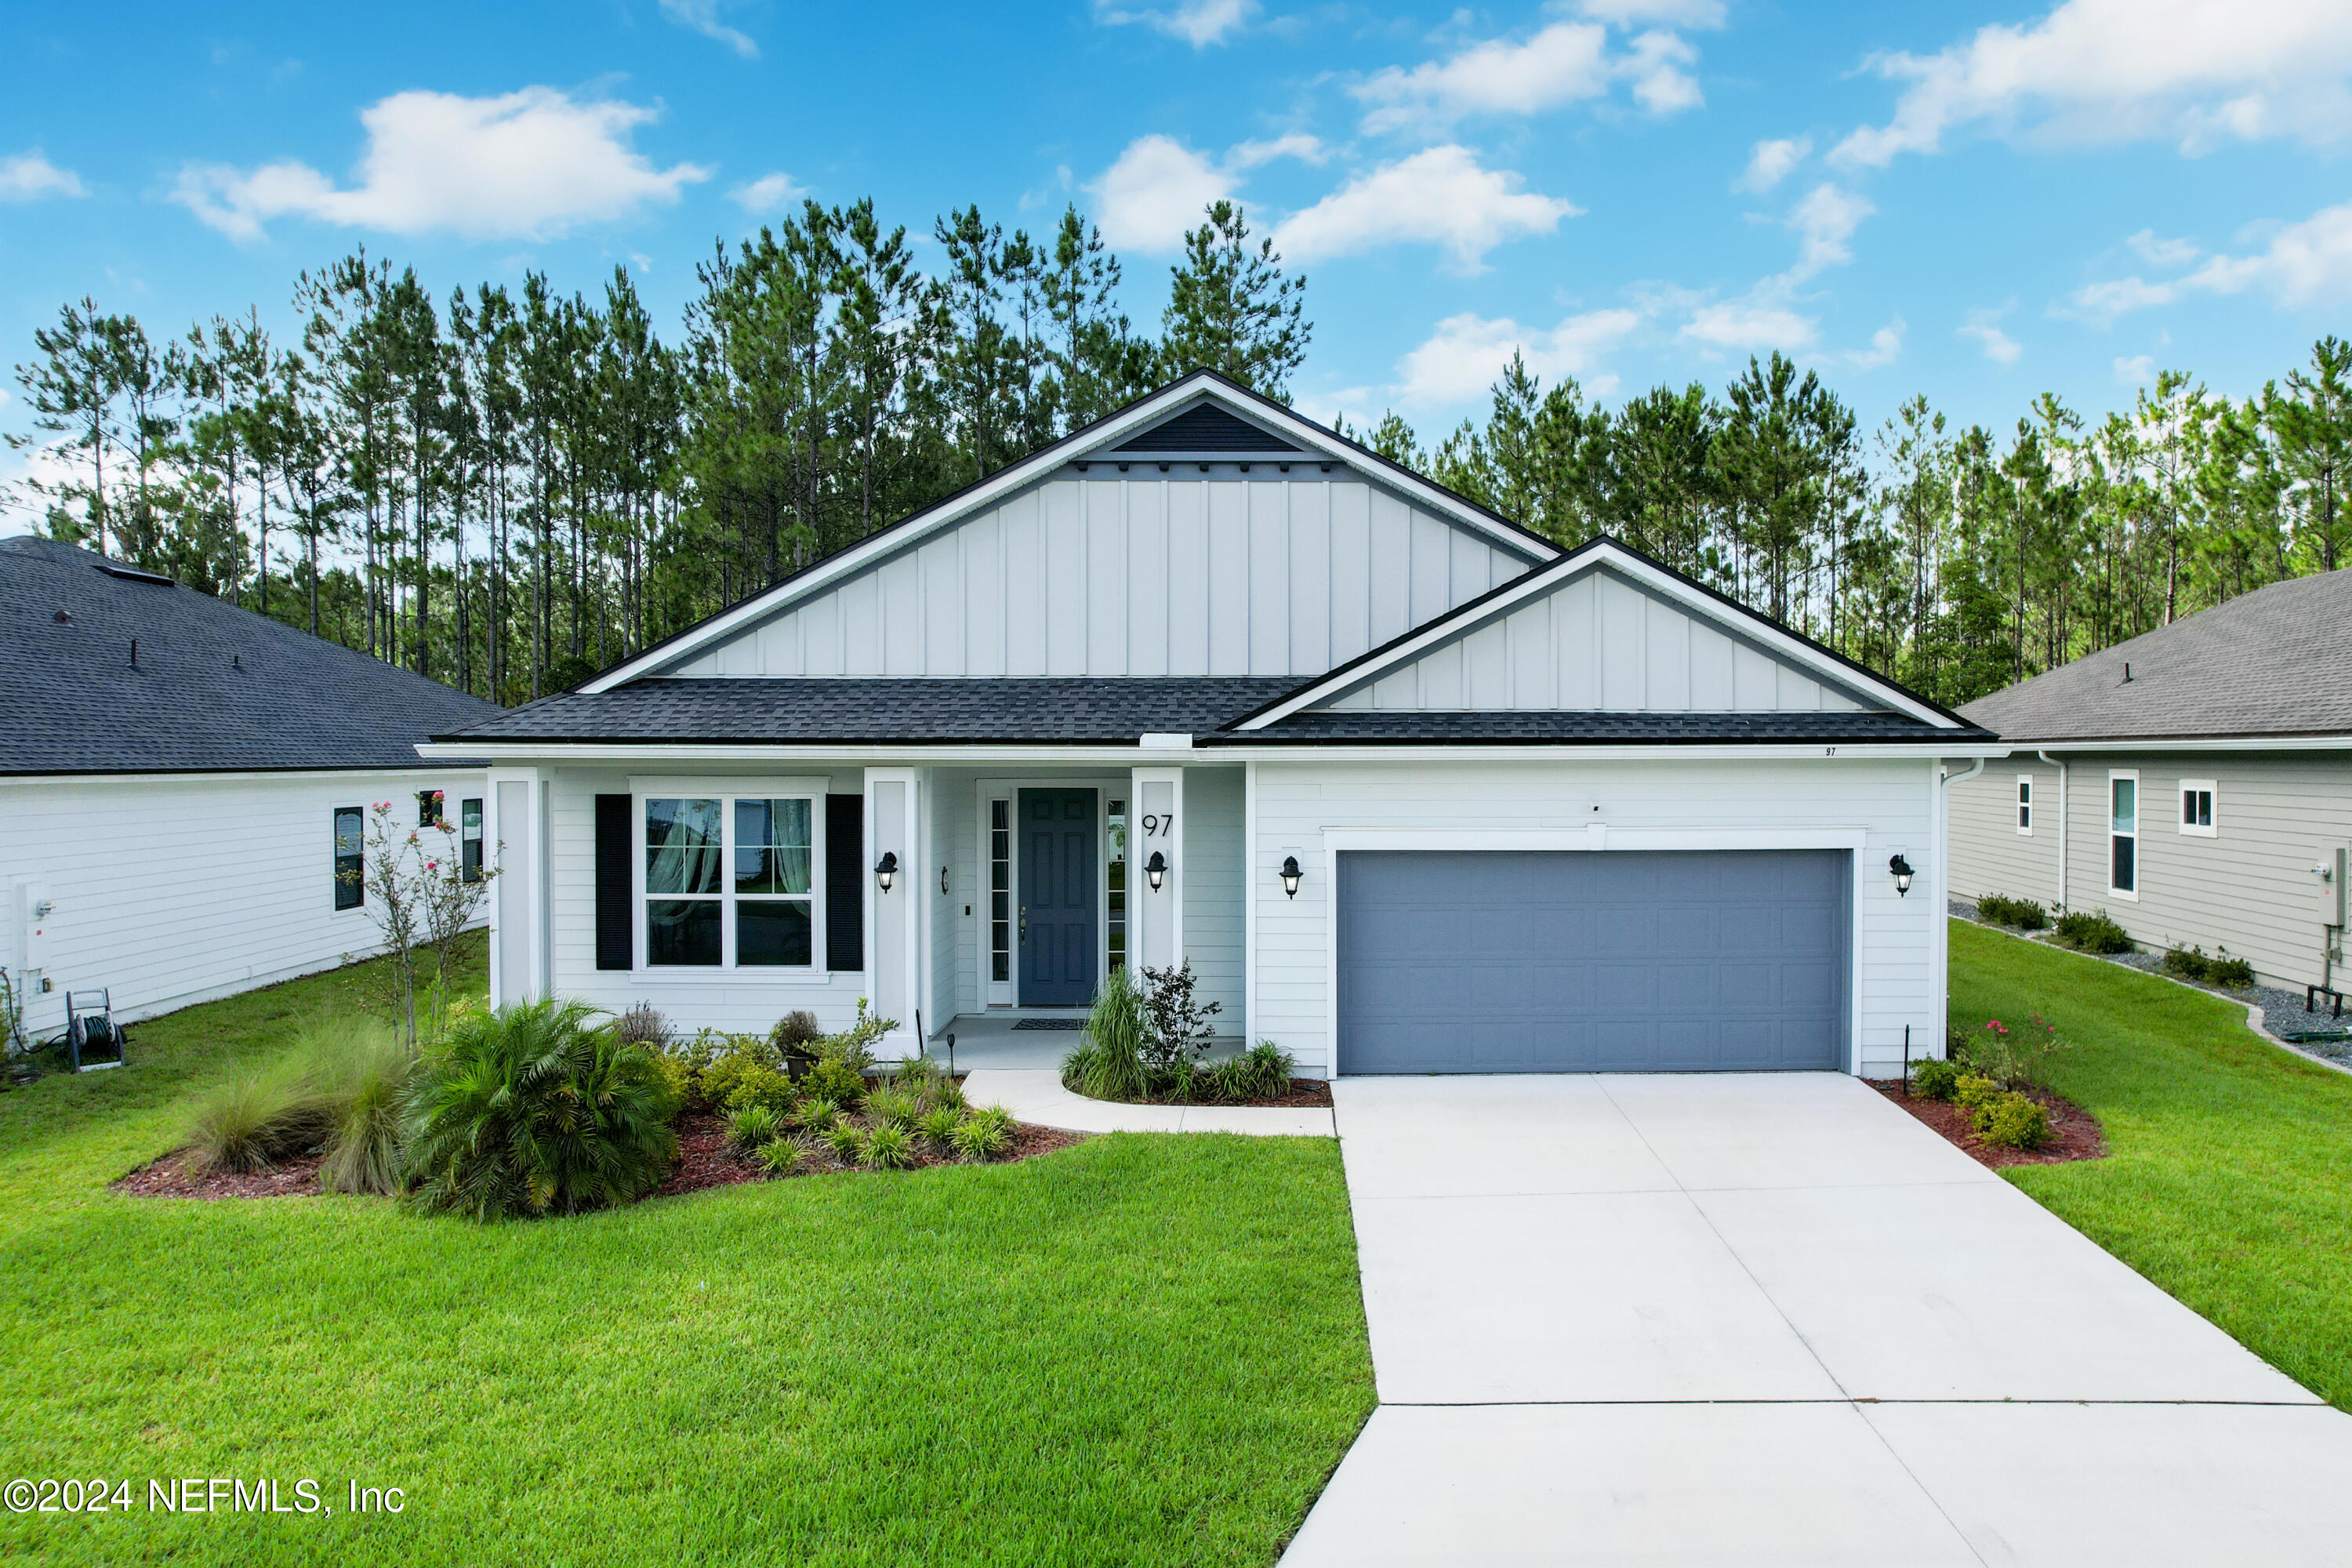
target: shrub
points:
(752, 1126)
(530, 1109)
(921, 1076)
(259, 1117)
(817, 1114)
(845, 1141)
(795, 1032)
(1108, 1062)
(2229, 973)
(2024, 914)
(949, 1095)
(642, 1026)
(2091, 931)
(2013, 1057)
(854, 1046)
(780, 1156)
(1973, 1090)
(2012, 1121)
(835, 1081)
(888, 1147)
(939, 1126)
(1180, 1084)
(985, 1133)
(891, 1108)
(2186, 963)
(1262, 1072)
(679, 1079)
(747, 1083)
(1178, 1023)
(362, 1070)
(1933, 1079)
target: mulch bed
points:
(705, 1161)
(170, 1177)
(1305, 1093)
(2075, 1133)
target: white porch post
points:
(1155, 824)
(894, 931)
(515, 825)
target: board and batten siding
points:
(1989, 854)
(1598, 643)
(1137, 575)
(171, 889)
(1213, 835)
(1896, 940)
(2248, 888)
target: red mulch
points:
(172, 1177)
(2073, 1132)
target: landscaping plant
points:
(1934, 1080)
(752, 1126)
(846, 1140)
(361, 1070)
(892, 1108)
(2022, 915)
(985, 1133)
(1179, 1028)
(887, 1147)
(781, 1156)
(795, 1034)
(534, 1110)
(2091, 931)
(2010, 1120)
(258, 1118)
(938, 1124)
(2014, 1058)
(1109, 1061)
(2229, 973)
(837, 1081)
(642, 1025)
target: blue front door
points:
(1060, 941)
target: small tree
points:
(448, 903)
(1180, 1031)
(392, 875)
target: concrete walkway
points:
(1769, 1319)
(1036, 1096)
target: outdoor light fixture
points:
(943, 881)
(886, 870)
(1290, 875)
(1900, 870)
(1155, 870)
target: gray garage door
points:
(1586, 962)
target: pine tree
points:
(1232, 310)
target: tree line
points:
(509, 489)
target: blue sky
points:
(1976, 204)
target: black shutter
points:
(845, 883)
(614, 946)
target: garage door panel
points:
(1584, 962)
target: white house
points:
(181, 781)
(1413, 789)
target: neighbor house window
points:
(350, 852)
(730, 882)
(469, 841)
(428, 807)
(2123, 834)
(2025, 804)
(1115, 901)
(2197, 808)
(999, 890)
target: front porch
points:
(999, 1039)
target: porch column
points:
(894, 939)
(1156, 919)
(515, 825)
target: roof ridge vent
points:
(134, 575)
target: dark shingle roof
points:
(841, 712)
(216, 688)
(2272, 662)
(1056, 710)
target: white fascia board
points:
(1543, 580)
(608, 753)
(2203, 744)
(1001, 486)
(474, 760)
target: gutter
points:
(2061, 765)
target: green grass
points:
(2230, 1179)
(1141, 1350)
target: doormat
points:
(1049, 1022)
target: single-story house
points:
(2194, 783)
(184, 784)
(1410, 788)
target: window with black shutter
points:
(845, 883)
(614, 948)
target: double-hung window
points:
(2026, 804)
(2123, 834)
(469, 848)
(730, 878)
(350, 857)
(2197, 818)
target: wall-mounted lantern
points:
(1290, 875)
(943, 881)
(1900, 869)
(886, 870)
(1155, 870)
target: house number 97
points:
(1158, 826)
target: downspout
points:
(2060, 766)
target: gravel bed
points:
(2282, 1011)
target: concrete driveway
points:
(1762, 1319)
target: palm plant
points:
(531, 1109)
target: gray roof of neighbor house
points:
(1063, 711)
(2277, 662)
(215, 688)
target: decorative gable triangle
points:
(1205, 428)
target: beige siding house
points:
(2195, 784)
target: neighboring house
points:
(182, 781)
(1413, 789)
(2195, 782)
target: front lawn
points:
(2229, 1183)
(1141, 1350)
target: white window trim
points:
(2212, 829)
(727, 791)
(2139, 813)
(2022, 806)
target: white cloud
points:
(1439, 194)
(2306, 264)
(1984, 326)
(2158, 252)
(2132, 372)
(1462, 358)
(1750, 324)
(1559, 64)
(1250, 154)
(1154, 191)
(767, 193)
(1661, 13)
(1654, 65)
(523, 166)
(1886, 348)
(702, 16)
(1771, 162)
(1199, 23)
(2120, 70)
(1766, 316)
(29, 176)
(1824, 220)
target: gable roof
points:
(1202, 404)
(2272, 662)
(1604, 553)
(215, 688)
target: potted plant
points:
(795, 1039)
